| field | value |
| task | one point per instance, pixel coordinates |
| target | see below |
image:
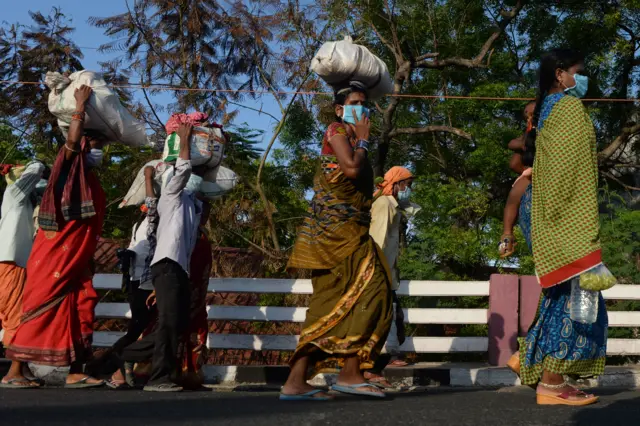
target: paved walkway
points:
(508, 406)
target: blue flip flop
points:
(355, 390)
(309, 396)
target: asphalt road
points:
(509, 406)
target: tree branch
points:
(611, 149)
(477, 61)
(612, 177)
(430, 129)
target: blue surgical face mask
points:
(579, 90)
(405, 194)
(94, 157)
(194, 184)
(349, 110)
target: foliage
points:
(433, 48)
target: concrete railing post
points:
(529, 298)
(504, 296)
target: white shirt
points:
(385, 231)
(180, 214)
(140, 246)
(16, 224)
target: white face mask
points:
(194, 184)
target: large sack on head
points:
(104, 112)
(338, 62)
(137, 191)
(218, 182)
(207, 146)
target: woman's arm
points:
(76, 128)
(511, 215)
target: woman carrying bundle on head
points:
(350, 311)
(59, 299)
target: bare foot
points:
(76, 378)
(289, 389)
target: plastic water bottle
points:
(584, 303)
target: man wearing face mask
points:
(177, 232)
(386, 225)
(16, 231)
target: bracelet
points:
(363, 144)
(69, 149)
(77, 117)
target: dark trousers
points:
(140, 316)
(173, 294)
(140, 319)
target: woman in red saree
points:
(59, 299)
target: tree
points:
(26, 54)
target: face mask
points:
(404, 195)
(41, 186)
(349, 110)
(194, 184)
(579, 90)
(94, 157)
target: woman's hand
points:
(362, 126)
(525, 175)
(507, 246)
(82, 94)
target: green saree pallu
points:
(565, 227)
(350, 311)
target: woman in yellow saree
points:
(350, 311)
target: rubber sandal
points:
(563, 399)
(14, 384)
(309, 396)
(113, 385)
(163, 387)
(82, 384)
(380, 383)
(355, 390)
(398, 363)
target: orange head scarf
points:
(394, 175)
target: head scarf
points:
(394, 175)
(195, 119)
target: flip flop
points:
(563, 399)
(398, 363)
(355, 390)
(113, 385)
(14, 384)
(309, 396)
(163, 387)
(82, 384)
(380, 383)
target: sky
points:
(88, 38)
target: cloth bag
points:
(338, 62)
(104, 113)
(207, 147)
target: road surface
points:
(438, 406)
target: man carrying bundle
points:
(179, 211)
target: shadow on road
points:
(619, 413)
